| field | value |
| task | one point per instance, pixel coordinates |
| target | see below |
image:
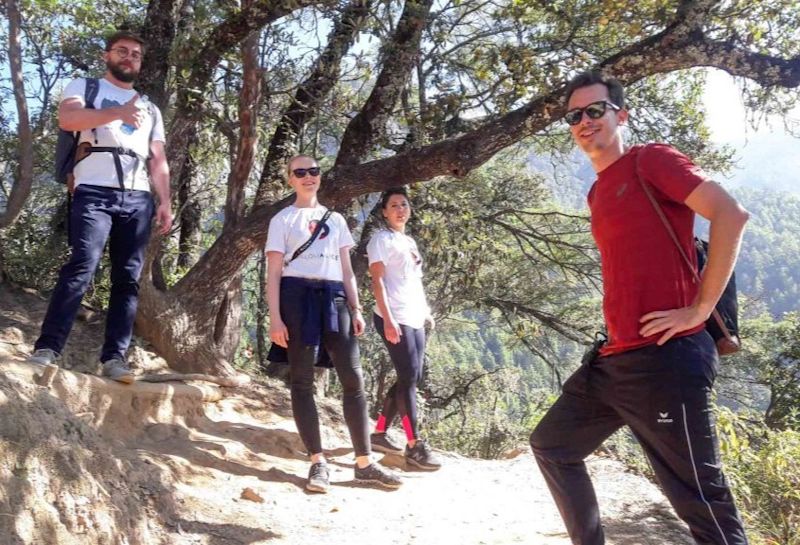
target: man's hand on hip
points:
(672, 322)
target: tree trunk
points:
(189, 213)
(262, 333)
(21, 187)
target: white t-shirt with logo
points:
(292, 227)
(98, 168)
(402, 277)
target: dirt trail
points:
(89, 461)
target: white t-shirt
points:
(292, 227)
(402, 277)
(98, 168)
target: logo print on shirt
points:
(107, 103)
(325, 229)
(663, 418)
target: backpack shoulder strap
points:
(92, 88)
(715, 314)
(648, 191)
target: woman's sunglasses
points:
(595, 110)
(301, 172)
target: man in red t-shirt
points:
(656, 372)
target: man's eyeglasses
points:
(124, 53)
(595, 110)
(301, 172)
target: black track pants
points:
(663, 395)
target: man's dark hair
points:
(616, 94)
(123, 35)
(386, 195)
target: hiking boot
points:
(44, 356)
(118, 370)
(382, 443)
(421, 455)
(379, 475)
(318, 478)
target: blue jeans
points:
(98, 215)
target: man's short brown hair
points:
(616, 93)
(119, 35)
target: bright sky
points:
(767, 156)
(726, 113)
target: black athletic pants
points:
(342, 348)
(407, 358)
(663, 395)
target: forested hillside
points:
(769, 265)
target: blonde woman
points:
(313, 303)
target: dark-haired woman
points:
(401, 311)
(313, 302)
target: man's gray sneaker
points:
(382, 443)
(318, 478)
(118, 370)
(422, 456)
(377, 474)
(44, 356)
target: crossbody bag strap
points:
(314, 235)
(668, 226)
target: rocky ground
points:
(88, 461)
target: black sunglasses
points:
(301, 172)
(595, 110)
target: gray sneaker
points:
(45, 357)
(382, 443)
(422, 456)
(118, 370)
(377, 474)
(318, 478)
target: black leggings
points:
(407, 358)
(343, 350)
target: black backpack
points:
(727, 306)
(67, 142)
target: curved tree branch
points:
(675, 48)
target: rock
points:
(251, 495)
(514, 452)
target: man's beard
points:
(117, 71)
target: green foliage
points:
(765, 375)
(762, 467)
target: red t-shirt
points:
(642, 269)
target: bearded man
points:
(120, 155)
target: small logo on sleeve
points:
(664, 418)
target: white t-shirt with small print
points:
(292, 227)
(98, 168)
(402, 277)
